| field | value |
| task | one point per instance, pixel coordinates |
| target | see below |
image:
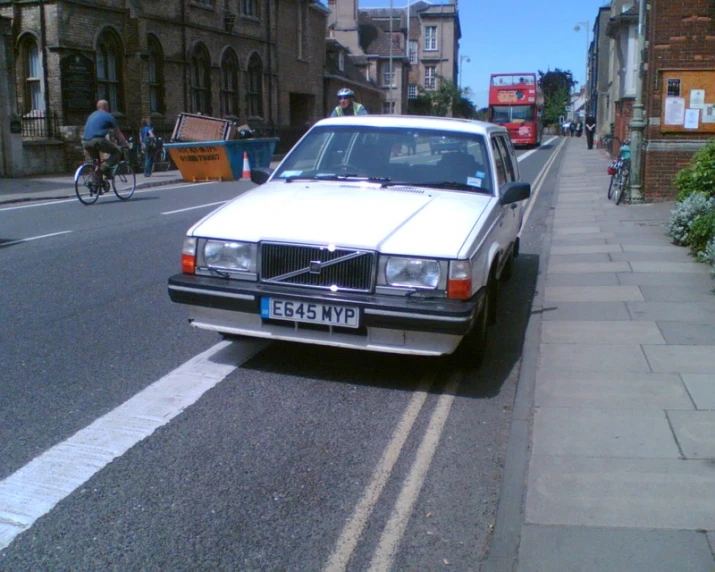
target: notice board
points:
(688, 101)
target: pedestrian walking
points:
(590, 130)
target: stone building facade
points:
(256, 62)
(678, 82)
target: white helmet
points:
(345, 92)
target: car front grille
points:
(318, 267)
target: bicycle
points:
(620, 171)
(162, 161)
(90, 182)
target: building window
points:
(388, 75)
(341, 61)
(414, 48)
(156, 76)
(200, 86)
(250, 8)
(301, 28)
(33, 100)
(229, 84)
(109, 70)
(430, 77)
(388, 107)
(204, 2)
(412, 91)
(254, 93)
(430, 38)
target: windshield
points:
(391, 156)
(512, 113)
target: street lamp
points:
(461, 59)
(577, 28)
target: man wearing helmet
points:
(347, 104)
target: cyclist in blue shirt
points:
(94, 139)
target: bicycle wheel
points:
(625, 185)
(161, 161)
(124, 181)
(85, 186)
(611, 185)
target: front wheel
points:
(624, 187)
(124, 181)
(86, 186)
(612, 185)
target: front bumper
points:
(397, 324)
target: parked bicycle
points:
(90, 182)
(620, 171)
(162, 161)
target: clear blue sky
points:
(517, 36)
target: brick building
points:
(251, 61)
(678, 82)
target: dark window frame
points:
(229, 84)
(110, 62)
(200, 80)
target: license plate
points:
(309, 312)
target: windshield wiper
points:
(344, 176)
(448, 185)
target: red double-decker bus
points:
(517, 103)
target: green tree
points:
(556, 86)
(446, 100)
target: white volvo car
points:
(363, 238)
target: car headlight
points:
(229, 255)
(413, 273)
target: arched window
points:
(109, 70)
(254, 93)
(31, 62)
(229, 84)
(201, 80)
(156, 75)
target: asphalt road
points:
(293, 458)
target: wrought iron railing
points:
(39, 125)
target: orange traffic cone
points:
(246, 166)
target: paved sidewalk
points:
(621, 474)
(43, 187)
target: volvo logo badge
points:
(315, 266)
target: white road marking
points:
(539, 181)
(395, 529)
(530, 152)
(36, 488)
(196, 207)
(349, 537)
(21, 240)
(74, 199)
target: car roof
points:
(418, 122)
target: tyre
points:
(124, 181)
(473, 348)
(611, 185)
(161, 161)
(85, 185)
(625, 185)
(508, 269)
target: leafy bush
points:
(699, 176)
(702, 232)
(685, 213)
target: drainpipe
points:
(638, 123)
(183, 51)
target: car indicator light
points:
(188, 256)
(459, 289)
(459, 283)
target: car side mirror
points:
(514, 192)
(260, 175)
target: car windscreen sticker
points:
(481, 174)
(288, 174)
(474, 182)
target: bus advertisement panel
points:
(517, 103)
